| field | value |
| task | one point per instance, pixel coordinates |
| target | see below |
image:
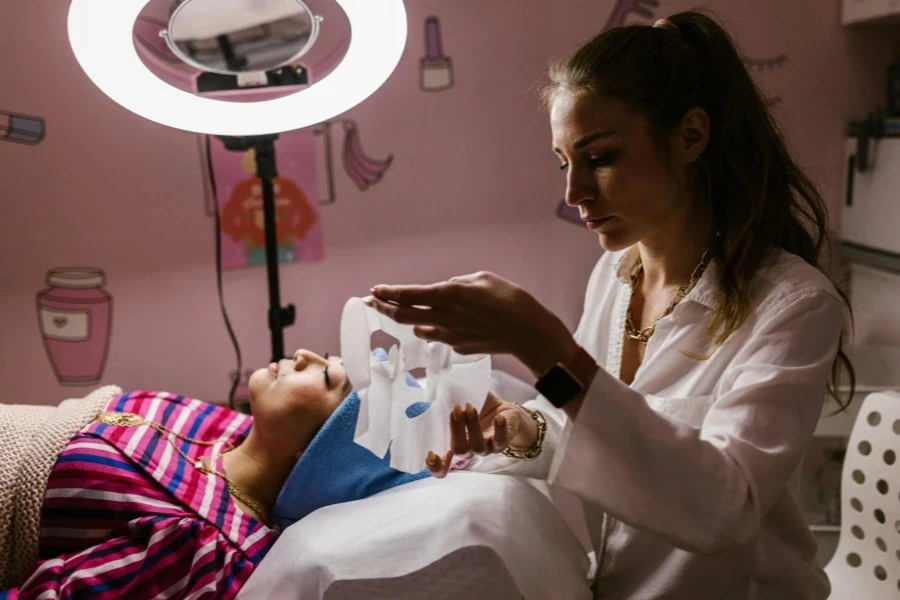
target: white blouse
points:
(688, 475)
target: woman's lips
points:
(596, 223)
(273, 369)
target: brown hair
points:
(758, 195)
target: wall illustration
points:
(363, 170)
(75, 319)
(435, 69)
(758, 66)
(569, 213)
(21, 129)
(623, 9)
(238, 193)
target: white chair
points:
(866, 564)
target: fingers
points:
(467, 438)
(438, 466)
(477, 443)
(459, 441)
(403, 314)
(427, 295)
(500, 441)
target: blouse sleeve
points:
(161, 557)
(708, 489)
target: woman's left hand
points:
(480, 313)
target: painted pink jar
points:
(75, 314)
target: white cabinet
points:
(871, 11)
(871, 204)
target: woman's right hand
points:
(501, 424)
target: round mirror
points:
(241, 36)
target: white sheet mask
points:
(451, 380)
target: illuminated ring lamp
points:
(101, 36)
(100, 32)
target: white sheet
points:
(445, 527)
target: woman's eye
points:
(564, 167)
(327, 380)
(603, 159)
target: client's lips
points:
(273, 368)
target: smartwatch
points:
(561, 384)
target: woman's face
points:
(293, 398)
(615, 173)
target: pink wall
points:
(473, 184)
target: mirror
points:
(232, 37)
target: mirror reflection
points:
(241, 36)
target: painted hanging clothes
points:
(126, 516)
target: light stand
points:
(279, 317)
(379, 32)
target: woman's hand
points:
(479, 314)
(501, 424)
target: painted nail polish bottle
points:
(21, 129)
(436, 70)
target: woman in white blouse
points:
(698, 372)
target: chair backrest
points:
(866, 563)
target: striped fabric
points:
(125, 516)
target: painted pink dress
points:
(125, 516)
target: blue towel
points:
(335, 469)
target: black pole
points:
(279, 317)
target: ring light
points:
(100, 33)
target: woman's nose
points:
(578, 190)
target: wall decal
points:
(239, 195)
(435, 69)
(569, 213)
(75, 318)
(758, 66)
(363, 170)
(625, 8)
(21, 129)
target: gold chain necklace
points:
(204, 465)
(644, 335)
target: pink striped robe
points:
(125, 516)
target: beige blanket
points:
(31, 437)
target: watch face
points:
(558, 386)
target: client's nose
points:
(304, 357)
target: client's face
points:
(293, 398)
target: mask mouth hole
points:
(382, 339)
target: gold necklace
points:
(204, 465)
(644, 335)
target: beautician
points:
(681, 409)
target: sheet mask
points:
(393, 415)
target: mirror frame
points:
(166, 34)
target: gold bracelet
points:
(538, 447)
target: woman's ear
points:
(693, 134)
